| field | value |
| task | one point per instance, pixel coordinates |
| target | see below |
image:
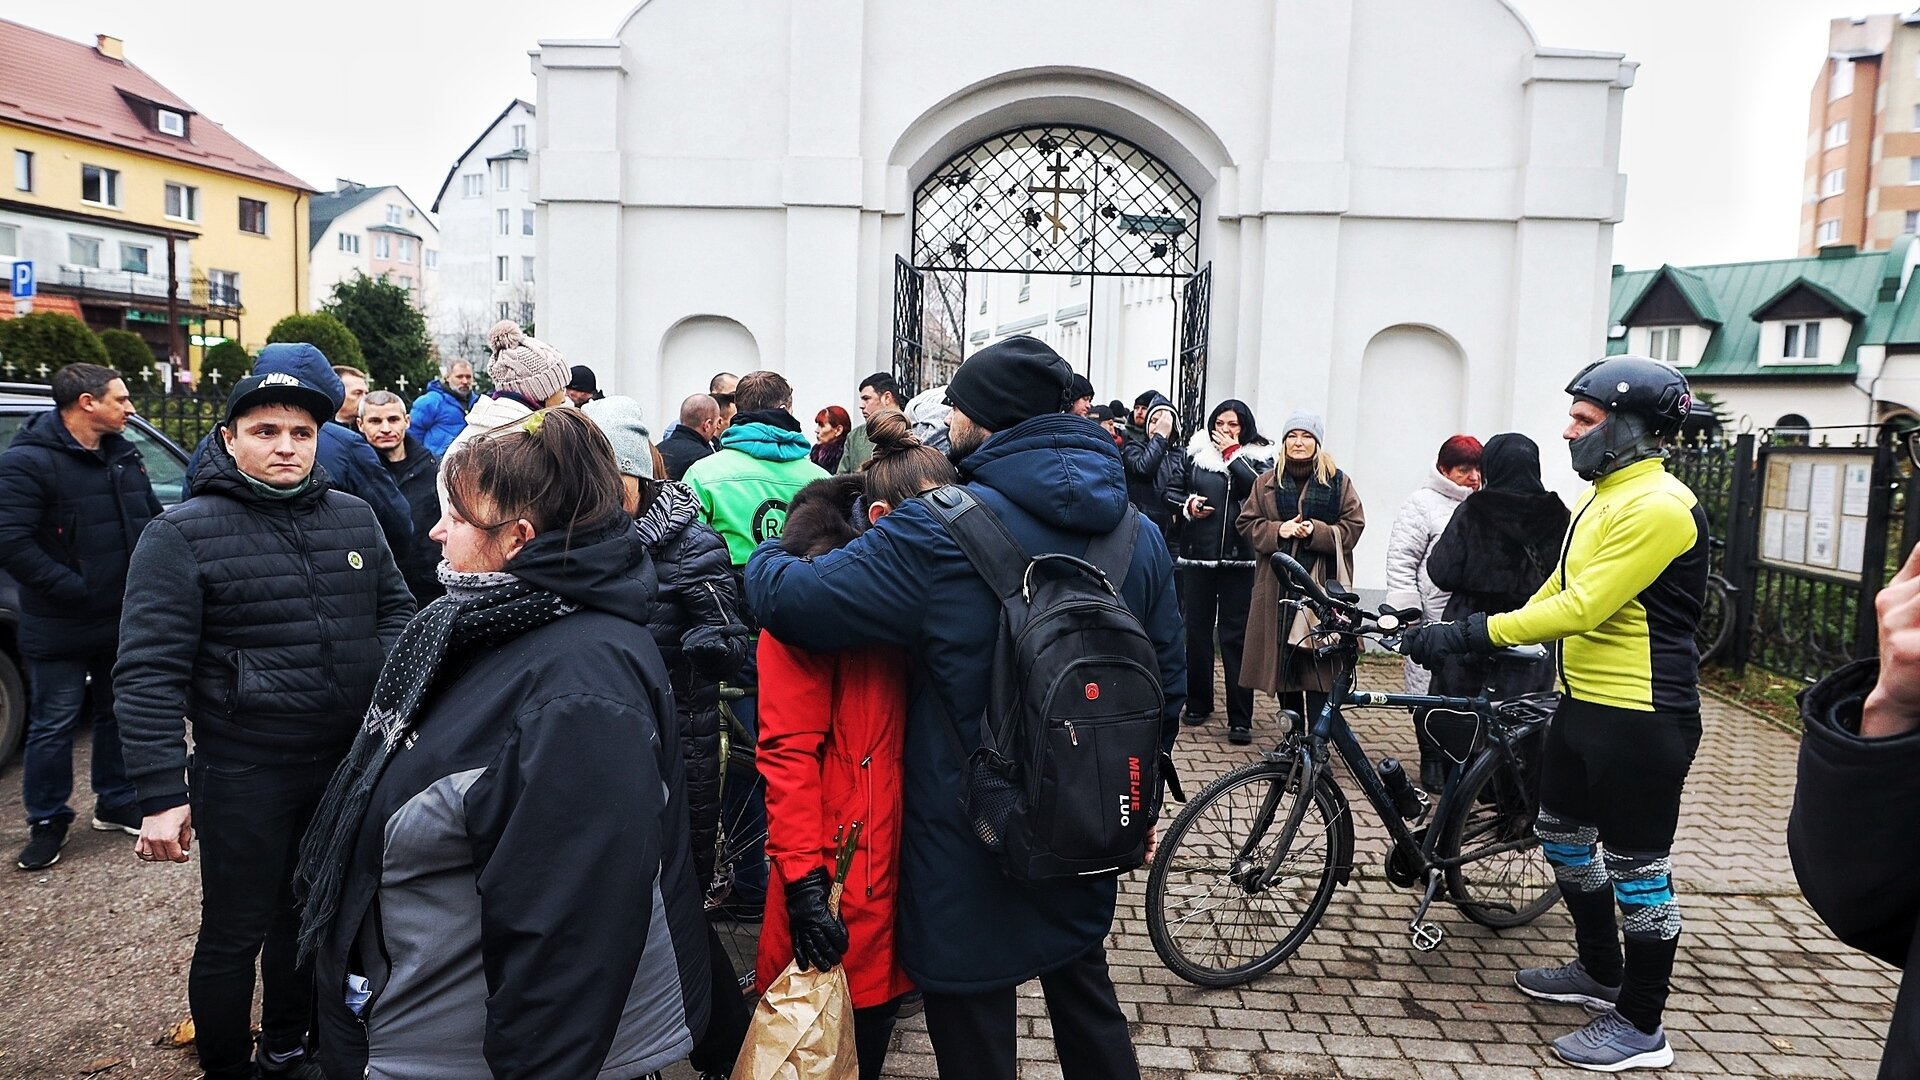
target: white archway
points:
(691, 352)
(1413, 397)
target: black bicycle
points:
(741, 836)
(1248, 868)
(1715, 631)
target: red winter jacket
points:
(832, 726)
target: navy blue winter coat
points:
(1056, 481)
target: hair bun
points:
(890, 432)
(504, 335)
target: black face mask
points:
(1616, 442)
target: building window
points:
(505, 220)
(1026, 287)
(1664, 344)
(393, 214)
(505, 171)
(1830, 232)
(503, 309)
(1834, 183)
(350, 243)
(1837, 134)
(183, 202)
(253, 217)
(433, 259)
(1801, 341)
(984, 282)
(23, 170)
(526, 268)
(223, 288)
(519, 136)
(526, 223)
(405, 253)
(133, 258)
(1913, 170)
(99, 186)
(1916, 118)
(383, 246)
(172, 123)
(472, 186)
(406, 283)
(83, 251)
(1073, 282)
(499, 268)
(1841, 84)
(1913, 223)
(9, 241)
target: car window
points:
(166, 472)
(10, 425)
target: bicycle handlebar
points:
(1385, 621)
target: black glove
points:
(715, 651)
(819, 937)
(1427, 644)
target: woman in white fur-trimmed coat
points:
(1219, 467)
(1422, 518)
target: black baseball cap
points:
(279, 388)
(582, 380)
(1099, 413)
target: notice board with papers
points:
(1813, 511)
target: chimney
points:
(109, 46)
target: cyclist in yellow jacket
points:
(1624, 602)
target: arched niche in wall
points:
(1412, 399)
(694, 350)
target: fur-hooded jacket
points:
(1203, 472)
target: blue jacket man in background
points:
(967, 934)
(440, 414)
(351, 462)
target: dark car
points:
(166, 468)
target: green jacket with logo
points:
(744, 488)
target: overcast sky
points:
(389, 92)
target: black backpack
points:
(1067, 782)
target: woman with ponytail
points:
(832, 726)
(498, 880)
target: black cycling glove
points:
(1428, 644)
(819, 937)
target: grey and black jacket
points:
(262, 620)
(1202, 471)
(521, 897)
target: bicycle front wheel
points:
(1213, 913)
(1493, 812)
(1715, 631)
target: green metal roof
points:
(1727, 296)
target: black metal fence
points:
(183, 415)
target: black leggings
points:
(1610, 787)
(1217, 596)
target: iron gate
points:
(907, 286)
(1191, 379)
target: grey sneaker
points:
(126, 819)
(1612, 1044)
(1568, 983)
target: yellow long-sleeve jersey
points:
(1627, 595)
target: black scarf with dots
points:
(479, 611)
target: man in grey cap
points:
(966, 933)
(260, 610)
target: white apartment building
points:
(487, 260)
(376, 231)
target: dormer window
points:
(1805, 323)
(171, 123)
(1673, 319)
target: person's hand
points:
(819, 937)
(1893, 706)
(715, 649)
(1161, 423)
(166, 836)
(1153, 841)
(1221, 440)
(1296, 529)
(1197, 508)
(1427, 644)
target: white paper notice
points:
(1794, 549)
(1820, 538)
(1853, 545)
(1799, 484)
(1826, 479)
(1773, 542)
(1859, 482)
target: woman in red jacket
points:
(831, 730)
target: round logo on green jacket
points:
(768, 519)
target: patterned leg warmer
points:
(1573, 850)
(1643, 882)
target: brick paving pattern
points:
(95, 952)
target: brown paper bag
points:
(802, 1030)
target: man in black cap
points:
(260, 610)
(966, 933)
(1082, 394)
(582, 387)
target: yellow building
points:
(136, 211)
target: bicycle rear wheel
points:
(741, 850)
(1210, 917)
(1715, 631)
(1493, 808)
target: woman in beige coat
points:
(1309, 509)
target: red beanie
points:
(1458, 451)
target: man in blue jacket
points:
(967, 934)
(440, 414)
(351, 462)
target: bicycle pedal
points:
(1426, 936)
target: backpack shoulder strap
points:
(1113, 553)
(992, 550)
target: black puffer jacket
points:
(417, 475)
(69, 518)
(1213, 540)
(1152, 461)
(696, 624)
(264, 621)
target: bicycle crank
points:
(1426, 935)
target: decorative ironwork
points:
(1057, 200)
(1195, 309)
(943, 326)
(907, 312)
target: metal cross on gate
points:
(1056, 189)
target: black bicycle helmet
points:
(1637, 384)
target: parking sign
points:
(22, 280)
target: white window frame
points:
(168, 122)
(1834, 183)
(1829, 232)
(406, 282)
(1837, 133)
(526, 268)
(109, 186)
(1664, 343)
(146, 259)
(473, 185)
(1840, 82)
(9, 241)
(404, 249)
(503, 220)
(382, 246)
(500, 268)
(393, 213)
(526, 223)
(350, 243)
(1026, 286)
(519, 136)
(504, 308)
(1913, 170)
(98, 246)
(227, 281)
(189, 201)
(504, 181)
(264, 228)
(1912, 224)
(431, 258)
(23, 170)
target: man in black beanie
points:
(1081, 393)
(966, 933)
